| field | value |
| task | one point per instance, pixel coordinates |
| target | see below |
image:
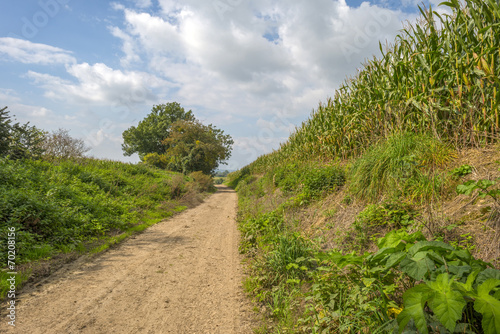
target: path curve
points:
(182, 275)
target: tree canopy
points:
(59, 144)
(19, 141)
(148, 135)
(193, 146)
(171, 138)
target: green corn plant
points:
(440, 80)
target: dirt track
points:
(180, 276)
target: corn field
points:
(441, 75)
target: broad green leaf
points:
(446, 303)
(392, 239)
(462, 254)
(487, 274)
(381, 254)
(418, 266)
(394, 260)
(436, 246)
(398, 238)
(467, 188)
(459, 271)
(414, 302)
(488, 306)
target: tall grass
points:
(404, 165)
(441, 75)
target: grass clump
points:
(404, 165)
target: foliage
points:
(59, 144)
(400, 164)
(203, 182)
(156, 160)
(5, 128)
(238, 177)
(63, 205)
(312, 180)
(379, 218)
(484, 188)
(19, 141)
(461, 171)
(193, 146)
(440, 75)
(409, 284)
(148, 135)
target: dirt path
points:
(180, 276)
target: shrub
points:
(312, 179)
(203, 182)
(156, 160)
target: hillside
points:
(56, 210)
(381, 212)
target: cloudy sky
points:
(253, 68)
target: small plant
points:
(485, 189)
(483, 186)
(461, 171)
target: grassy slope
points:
(294, 230)
(71, 207)
(390, 151)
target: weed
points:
(461, 171)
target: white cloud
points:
(261, 56)
(128, 48)
(33, 53)
(262, 61)
(100, 84)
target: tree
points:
(59, 144)
(5, 128)
(148, 136)
(26, 142)
(19, 141)
(192, 146)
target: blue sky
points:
(255, 69)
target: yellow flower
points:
(393, 310)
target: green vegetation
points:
(193, 146)
(405, 163)
(19, 141)
(408, 281)
(70, 206)
(443, 81)
(171, 138)
(397, 246)
(54, 200)
(147, 136)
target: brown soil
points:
(180, 276)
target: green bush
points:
(312, 180)
(203, 182)
(327, 178)
(236, 177)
